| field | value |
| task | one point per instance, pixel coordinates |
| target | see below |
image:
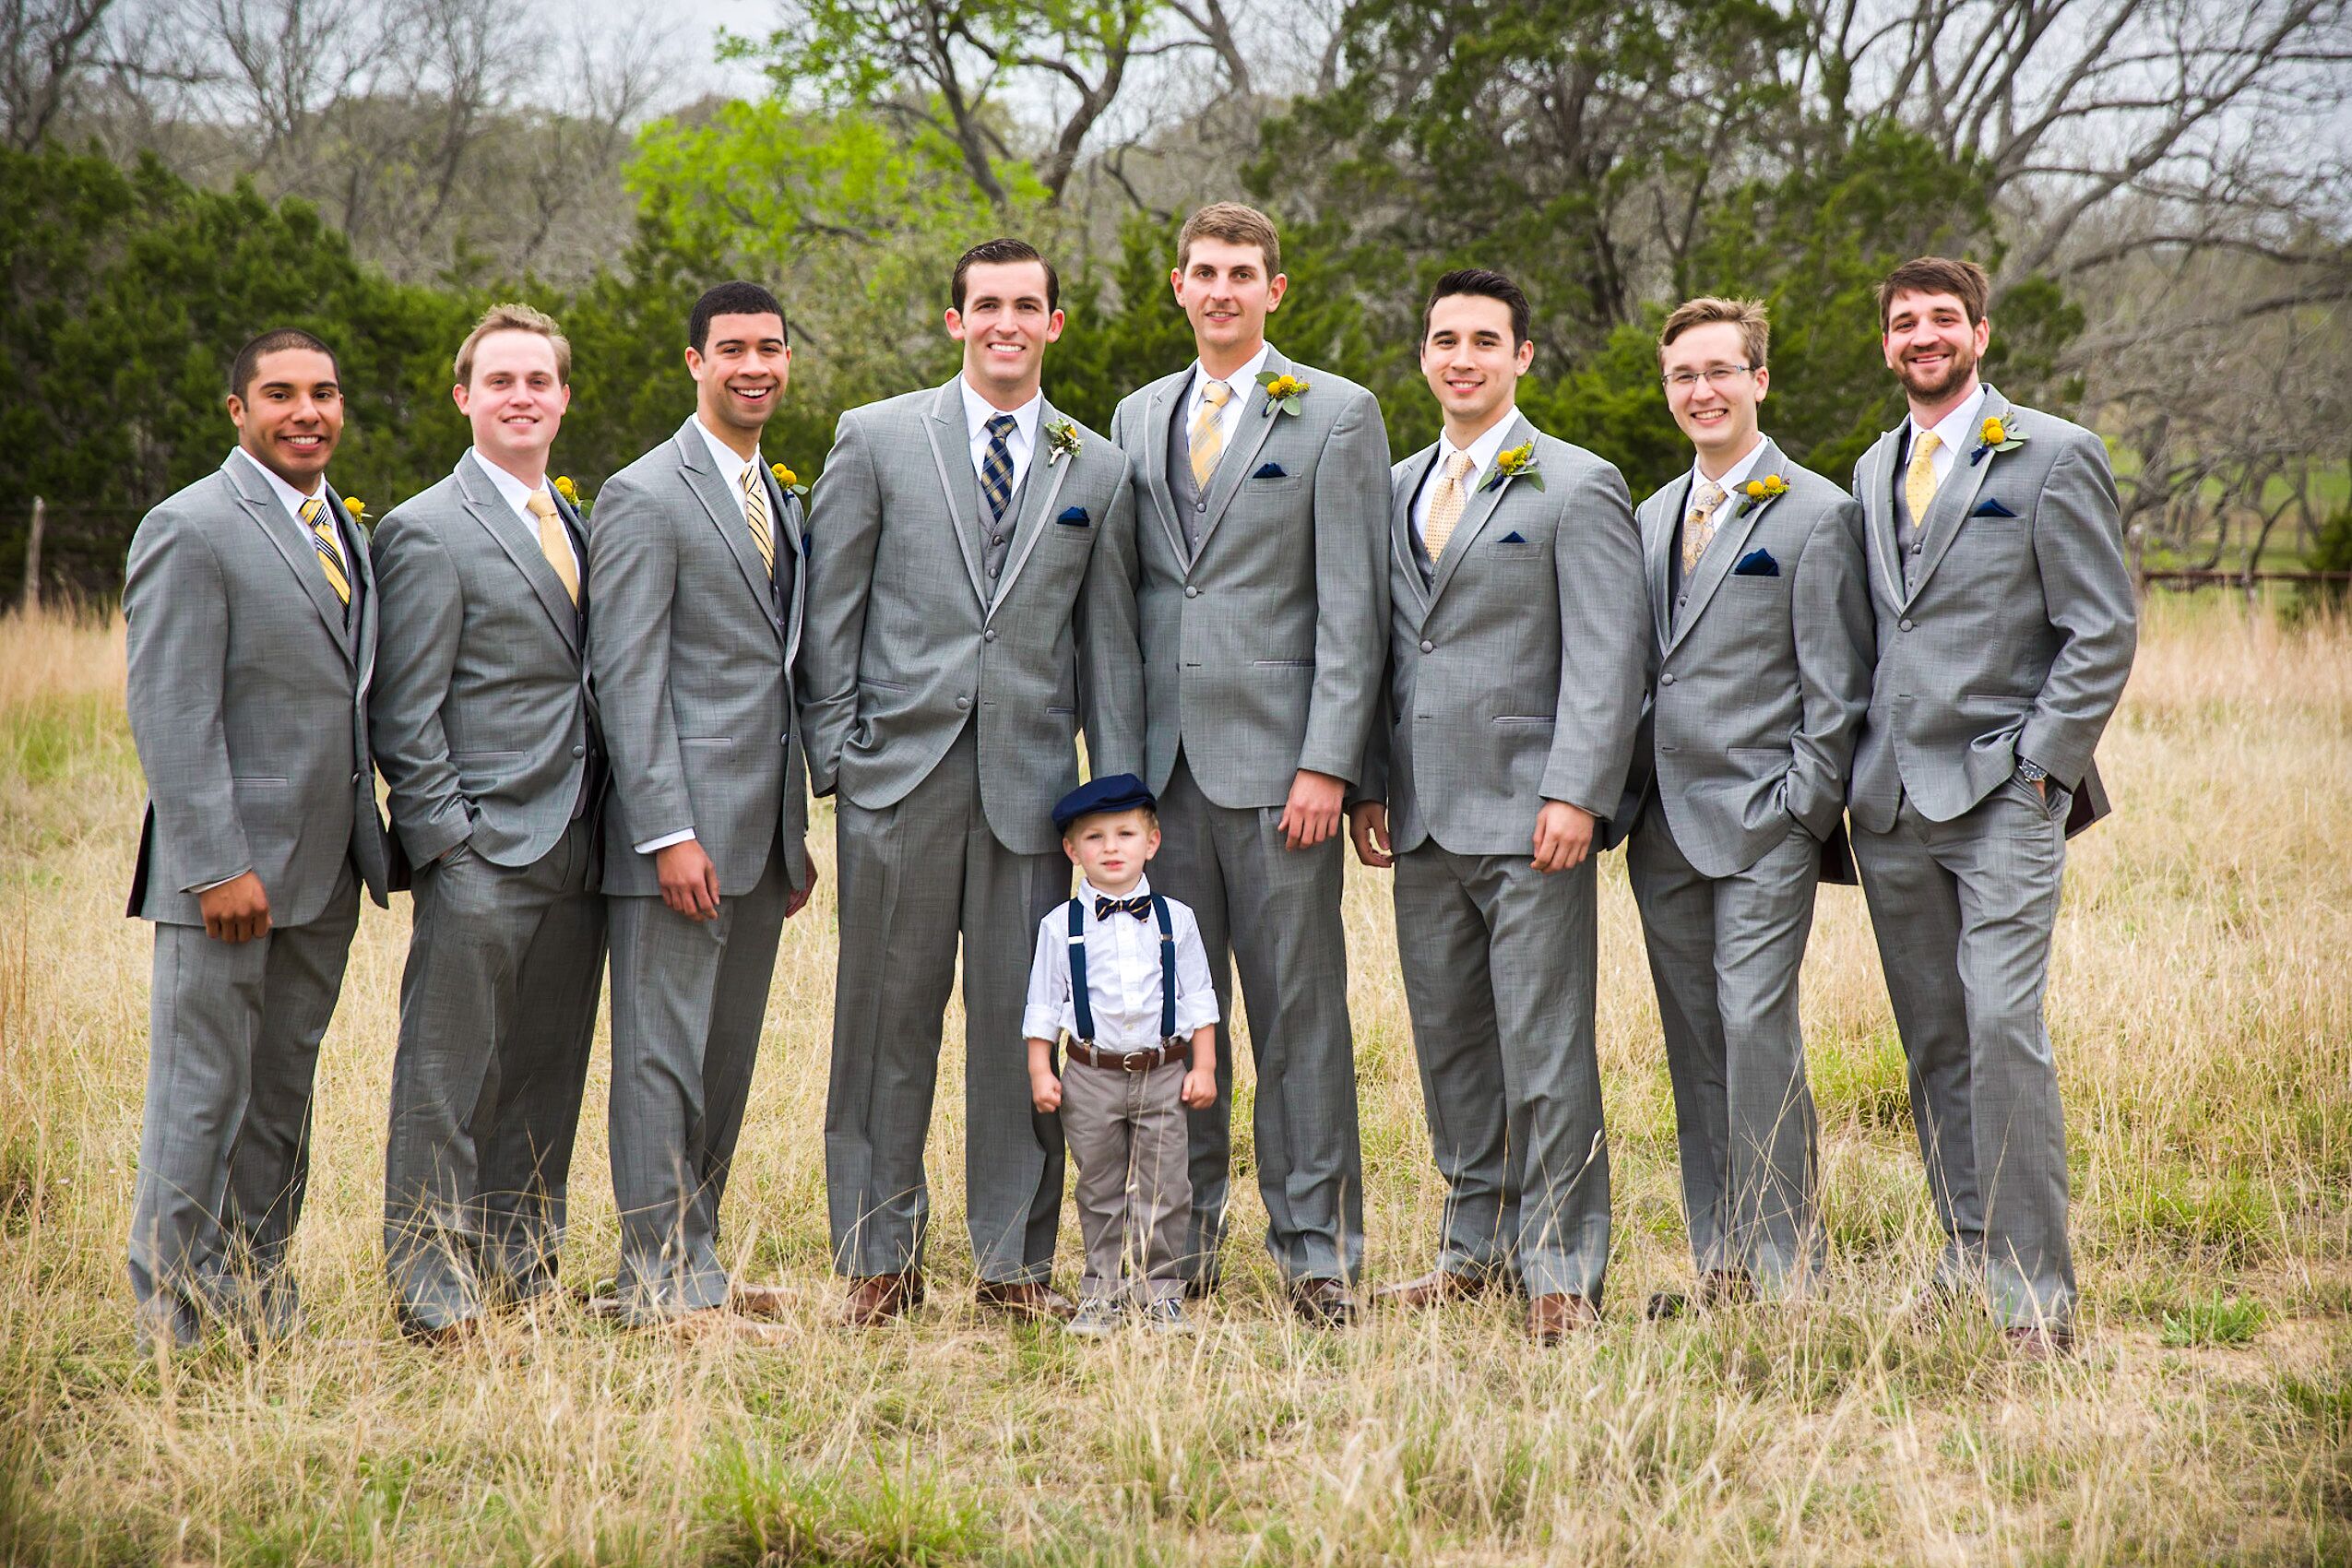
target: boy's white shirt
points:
(1123, 974)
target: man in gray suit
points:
(251, 637)
(696, 571)
(1760, 672)
(1514, 685)
(1263, 596)
(486, 732)
(971, 601)
(2006, 626)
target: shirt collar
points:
(1089, 892)
(1483, 448)
(730, 467)
(1241, 381)
(979, 410)
(1955, 427)
(1737, 474)
(287, 496)
(517, 492)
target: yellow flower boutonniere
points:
(788, 481)
(1282, 393)
(358, 509)
(1061, 441)
(1757, 493)
(1516, 462)
(564, 487)
(1996, 435)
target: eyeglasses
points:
(1716, 376)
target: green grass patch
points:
(762, 1515)
(2214, 1320)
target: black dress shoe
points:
(1326, 1304)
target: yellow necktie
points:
(1918, 481)
(756, 518)
(1209, 431)
(554, 545)
(1698, 528)
(1445, 506)
(322, 539)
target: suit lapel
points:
(1478, 514)
(1406, 486)
(1878, 510)
(489, 509)
(1039, 489)
(363, 625)
(718, 498)
(1658, 541)
(791, 527)
(1714, 562)
(957, 483)
(1257, 423)
(292, 541)
(1956, 497)
(1156, 417)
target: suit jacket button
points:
(988, 635)
(785, 738)
(1427, 647)
(1666, 679)
(357, 776)
(1201, 505)
(1192, 592)
(963, 702)
(1906, 624)
(580, 750)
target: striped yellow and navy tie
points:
(321, 523)
(756, 518)
(996, 468)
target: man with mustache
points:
(2006, 626)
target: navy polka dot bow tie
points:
(1139, 906)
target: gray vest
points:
(1191, 506)
(1909, 537)
(992, 541)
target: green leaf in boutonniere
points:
(1758, 493)
(1061, 441)
(788, 481)
(1282, 393)
(1996, 435)
(1516, 462)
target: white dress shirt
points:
(1955, 432)
(1020, 442)
(1123, 974)
(293, 501)
(518, 496)
(1733, 476)
(1229, 418)
(1482, 450)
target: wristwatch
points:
(2031, 772)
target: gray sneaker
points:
(1097, 1316)
(1166, 1315)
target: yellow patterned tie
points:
(756, 518)
(1698, 528)
(1209, 431)
(1918, 481)
(322, 538)
(1445, 506)
(554, 545)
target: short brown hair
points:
(1937, 275)
(1748, 315)
(1001, 253)
(515, 318)
(1485, 285)
(1236, 225)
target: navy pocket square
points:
(1756, 563)
(1513, 537)
(1075, 516)
(1991, 508)
(1271, 471)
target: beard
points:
(1961, 365)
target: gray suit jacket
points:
(1262, 652)
(484, 721)
(248, 696)
(2019, 635)
(909, 640)
(692, 659)
(1758, 686)
(1515, 673)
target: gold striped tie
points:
(554, 545)
(1446, 505)
(322, 538)
(1918, 481)
(756, 518)
(1209, 431)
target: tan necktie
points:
(1209, 431)
(1918, 481)
(756, 518)
(316, 519)
(1445, 506)
(1698, 528)
(554, 545)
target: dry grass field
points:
(2201, 1006)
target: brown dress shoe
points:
(877, 1299)
(1553, 1317)
(1435, 1289)
(1024, 1299)
(2033, 1342)
(1717, 1287)
(447, 1336)
(763, 1300)
(1326, 1304)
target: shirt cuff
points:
(1038, 1023)
(208, 886)
(650, 845)
(1191, 1012)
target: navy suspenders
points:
(1078, 994)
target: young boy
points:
(1122, 970)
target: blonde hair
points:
(1748, 315)
(1236, 225)
(515, 318)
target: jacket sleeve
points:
(1836, 648)
(1110, 659)
(1352, 588)
(176, 603)
(633, 574)
(422, 609)
(1604, 630)
(845, 528)
(2087, 595)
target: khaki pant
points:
(1127, 1133)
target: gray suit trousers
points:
(1964, 912)
(1725, 953)
(688, 1001)
(1275, 913)
(1500, 965)
(914, 877)
(224, 1154)
(497, 1011)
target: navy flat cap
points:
(1118, 792)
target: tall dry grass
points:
(2203, 1014)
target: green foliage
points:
(2214, 1320)
(2331, 552)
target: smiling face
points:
(1227, 296)
(740, 371)
(1470, 361)
(290, 415)
(1717, 409)
(1932, 346)
(516, 401)
(1004, 325)
(1111, 848)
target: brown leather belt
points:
(1129, 1060)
